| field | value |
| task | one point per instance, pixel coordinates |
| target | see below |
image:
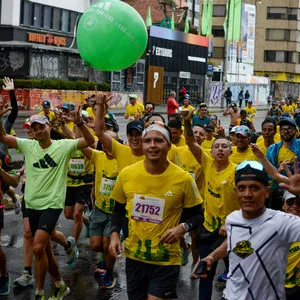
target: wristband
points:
(80, 124)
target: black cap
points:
(136, 124)
(287, 121)
(109, 122)
(209, 128)
(243, 112)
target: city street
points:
(80, 277)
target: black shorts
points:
(78, 194)
(43, 219)
(23, 208)
(143, 279)
(1, 218)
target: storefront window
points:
(56, 19)
(37, 15)
(47, 17)
(65, 21)
(26, 13)
(72, 23)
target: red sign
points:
(47, 39)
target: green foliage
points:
(59, 84)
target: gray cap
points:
(39, 119)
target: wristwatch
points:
(186, 226)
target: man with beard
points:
(219, 196)
(242, 151)
(284, 150)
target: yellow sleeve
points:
(206, 161)
(192, 196)
(142, 108)
(118, 193)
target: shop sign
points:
(47, 39)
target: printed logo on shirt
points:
(45, 163)
(169, 193)
(243, 249)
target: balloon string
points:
(75, 28)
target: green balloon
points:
(111, 35)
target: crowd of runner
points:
(237, 196)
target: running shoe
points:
(99, 275)
(39, 297)
(108, 282)
(72, 252)
(185, 255)
(17, 205)
(4, 285)
(60, 292)
(222, 277)
(25, 280)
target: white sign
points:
(163, 52)
(186, 75)
(196, 58)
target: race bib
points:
(76, 165)
(148, 209)
(107, 186)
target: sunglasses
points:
(252, 164)
(292, 201)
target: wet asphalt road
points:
(80, 277)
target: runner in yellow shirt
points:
(134, 109)
(175, 127)
(268, 129)
(242, 151)
(209, 139)
(186, 103)
(67, 108)
(152, 250)
(47, 112)
(288, 108)
(220, 197)
(251, 111)
(106, 172)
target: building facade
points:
(277, 39)
(38, 40)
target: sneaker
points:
(60, 292)
(107, 282)
(99, 275)
(72, 252)
(185, 255)
(4, 285)
(222, 277)
(39, 297)
(25, 280)
(17, 205)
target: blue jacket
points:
(273, 151)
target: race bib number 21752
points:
(147, 209)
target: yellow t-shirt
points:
(132, 110)
(285, 154)
(79, 166)
(153, 208)
(186, 161)
(71, 126)
(180, 142)
(124, 155)
(189, 107)
(277, 138)
(220, 196)
(292, 277)
(262, 146)
(237, 157)
(106, 173)
(251, 111)
(51, 116)
(207, 144)
(91, 113)
(288, 109)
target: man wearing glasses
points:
(258, 240)
(283, 151)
